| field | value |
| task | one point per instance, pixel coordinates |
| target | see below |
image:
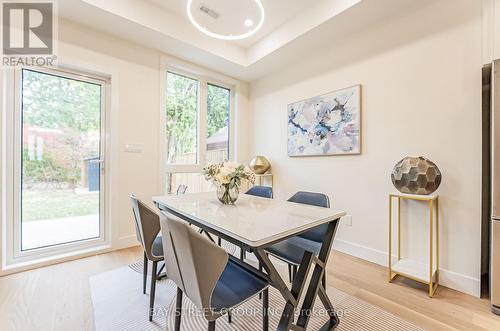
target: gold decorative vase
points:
(260, 165)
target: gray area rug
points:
(119, 304)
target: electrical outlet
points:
(347, 220)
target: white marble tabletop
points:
(254, 221)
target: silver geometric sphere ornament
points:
(416, 175)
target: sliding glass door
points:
(60, 155)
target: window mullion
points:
(232, 123)
(202, 127)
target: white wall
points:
(133, 118)
(496, 33)
(421, 78)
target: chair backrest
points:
(193, 263)
(261, 191)
(315, 199)
(181, 189)
(147, 225)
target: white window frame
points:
(204, 77)
(14, 253)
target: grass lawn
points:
(38, 205)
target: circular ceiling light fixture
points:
(226, 19)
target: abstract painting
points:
(329, 124)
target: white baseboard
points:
(451, 279)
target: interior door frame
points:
(14, 252)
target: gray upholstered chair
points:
(214, 281)
(292, 249)
(147, 227)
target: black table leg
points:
(242, 253)
(298, 285)
(265, 307)
(334, 319)
(315, 283)
(274, 276)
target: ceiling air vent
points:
(210, 12)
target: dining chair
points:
(147, 227)
(292, 250)
(212, 279)
(261, 191)
(181, 189)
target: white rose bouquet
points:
(228, 176)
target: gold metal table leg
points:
(399, 228)
(390, 236)
(431, 251)
(437, 242)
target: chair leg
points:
(260, 269)
(145, 274)
(323, 281)
(265, 308)
(152, 292)
(219, 241)
(290, 272)
(178, 310)
(294, 272)
(211, 326)
(229, 317)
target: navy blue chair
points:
(292, 250)
(261, 191)
(206, 274)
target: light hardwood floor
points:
(58, 297)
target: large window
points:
(197, 129)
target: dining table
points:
(255, 223)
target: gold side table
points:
(421, 272)
(263, 178)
